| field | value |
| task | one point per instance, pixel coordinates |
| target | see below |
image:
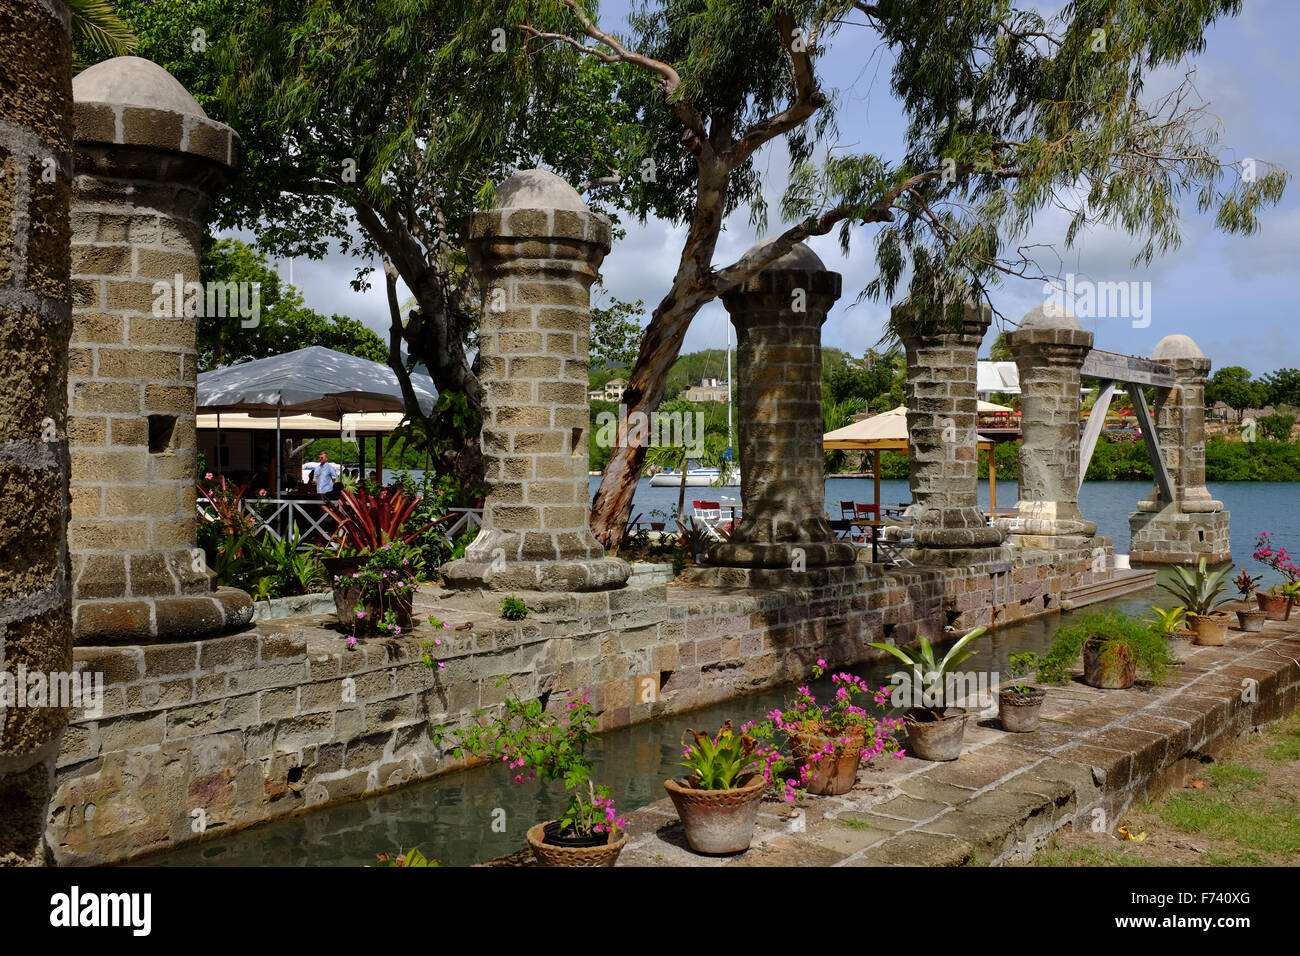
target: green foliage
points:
(1168, 621)
(1021, 665)
(284, 323)
(513, 609)
(1234, 387)
(616, 334)
(717, 763)
(98, 32)
(1120, 458)
(1283, 387)
(1198, 590)
(529, 737)
(388, 580)
(1277, 427)
(1121, 637)
(1261, 460)
(412, 857)
(925, 671)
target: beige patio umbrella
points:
(888, 432)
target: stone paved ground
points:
(1096, 752)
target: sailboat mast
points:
(730, 440)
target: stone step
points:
(1121, 582)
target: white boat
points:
(696, 478)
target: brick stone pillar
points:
(1049, 349)
(536, 253)
(149, 162)
(943, 466)
(35, 620)
(783, 536)
(1194, 525)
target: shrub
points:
(1120, 635)
(513, 609)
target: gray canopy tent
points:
(314, 380)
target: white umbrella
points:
(315, 379)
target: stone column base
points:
(736, 577)
(1171, 536)
(158, 620)
(954, 557)
(939, 528)
(591, 574)
(783, 556)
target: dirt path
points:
(1245, 812)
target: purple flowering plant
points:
(533, 742)
(388, 580)
(855, 717)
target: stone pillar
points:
(783, 536)
(149, 162)
(943, 453)
(1194, 525)
(1049, 349)
(35, 621)
(536, 253)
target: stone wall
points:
(35, 177)
(251, 727)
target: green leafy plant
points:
(717, 763)
(926, 672)
(412, 857)
(1122, 638)
(692, 537)
(388, 580)
(536, 742)
(1021, 665)
(1198, 590)
(1168, 621)
(513, 609)
(679, 562)
(296, 571)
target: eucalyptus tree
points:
(1009, 112)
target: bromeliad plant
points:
(929, 678)
(1168, 621)
(717, 763)
(367, 522)
(1199, 590)
(535, 743)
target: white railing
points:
(313, 525)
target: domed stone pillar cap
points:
(800, 267)
(976, 318)
(537, 204)
(131, 101)
(1176, 347)
(1050, 325)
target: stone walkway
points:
(1096, 752)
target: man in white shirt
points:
(326, 473)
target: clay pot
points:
(937, 740)
(1180, 645)
(829, 776)
(1119, 675)
(345, 603)
(1251, 621)
(1019, 712)
(718, 821)
(1211, 630)
(1276, 607)
(548, 854)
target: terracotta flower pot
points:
(937, 740)
(1211, 630)
(550, 855)
(1019, 713)
(718, 821)
(1276, 607)
(829, 776)
(1251, 621)
(1115, 674)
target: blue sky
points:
(1236, 296)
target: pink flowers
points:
(208, 476)
(1276, 558)
(352, 642)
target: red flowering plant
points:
(844, 723)
(533, 742)
(1280, 561)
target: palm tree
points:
(98, 30)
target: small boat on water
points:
(696, 478)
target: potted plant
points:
(1020, 704)
(718, 800)
(827, 742)
(1171, 623)
(381, 591)
(1276, 601)
(533, 741)
(1248, 618)
(1115, 649)
(366, 523)
(934, 729)
(1199, 591)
